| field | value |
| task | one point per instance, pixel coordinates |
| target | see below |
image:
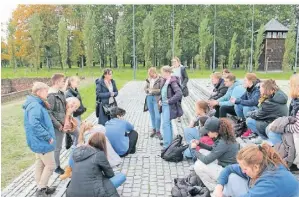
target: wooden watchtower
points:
(274, 40)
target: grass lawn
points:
(17, 157)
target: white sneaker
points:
(257, 140)
(191, 168)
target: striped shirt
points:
(294, 128)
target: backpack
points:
(239, 124)
(174, 152)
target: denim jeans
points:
(251, 124)
(273, 138)
(118, 179)
(236, 186)
(154, 112)
(190, 134)
(242, 111)
(166, 125)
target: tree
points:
(88, 34)
(232, 51)
(259, 46)
(121, 41)
(148, 38)
(221, 60)
(11, 40)
(290, 47)
(36, 26)
(205, 40)
(244, 57)
(62, 40)
(177, 46)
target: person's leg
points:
(166, 125)
(217, 108)
(247, 109)
(133, 137)
(190, 134)
(150, 105)
(239, 110)
(224, 110)
(236, 186)
(39, 167)
(49, 162)
(118, 179)
(59, 138)
(157, 116)
(75, 135)
(273, 138)
(251, 124)
(208, 173)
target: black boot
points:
(50, 190)
(59, 170)
(41, 193)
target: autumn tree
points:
(11, 39)
(36, 26)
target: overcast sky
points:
(6, 10)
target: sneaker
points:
(59, 170)
(41, 193)
(158, 135)
(294, 169)
(153, 133)
(191, 168)
(257, 140)
(50, 190)
(247, 133)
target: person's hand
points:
(51, 141)
(193, 144)
(60, 128)
(213, 103)
(191, 124)
(218, 192)
(232, 100)
(160, 103)
(112, 94)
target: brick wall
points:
(20, 84)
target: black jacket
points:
(70, 92)
(57, 109)
(184, 81)
(219, 90)
(251, 96)
(91, 174)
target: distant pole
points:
(297, 42)
(250, 68)
(134, 62)
(214, 49)
(172, 21)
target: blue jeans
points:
(166, 125)
(71, 160)
(190, 134)
(118, 179)
(154, 112)
(242, 111)
(251, 124)
(273, 138)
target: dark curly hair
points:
(226, 130)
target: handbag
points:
(68, 141)
(107, 108)
(145, 107)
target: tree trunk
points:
(110, 63)
(82, 61)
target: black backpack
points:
(174, 152)
(239, 124)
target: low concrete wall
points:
(20, 84)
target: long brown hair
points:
(262, 155)
(226, 130)
(85, 126)
(98, 140)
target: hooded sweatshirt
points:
(274, 182)
(235, 91)
(251, 96)
(38, 125)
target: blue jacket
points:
(38, 126)
(250, 97)
(275, 183)
(116, 130)
(235, 91)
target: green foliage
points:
(148, 38)
(244, 57)
(121, 41)
(177, 45)
(205, 40)
(88, 36)
(258, 46)
(232, 51)
(62, 40)
(11, 30)
(36, 26)
(290, 48)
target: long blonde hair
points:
(294, 86)
(85, 126)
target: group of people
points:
(52, 113)
(255, 170)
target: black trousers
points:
(133, 137)
(221, 112)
